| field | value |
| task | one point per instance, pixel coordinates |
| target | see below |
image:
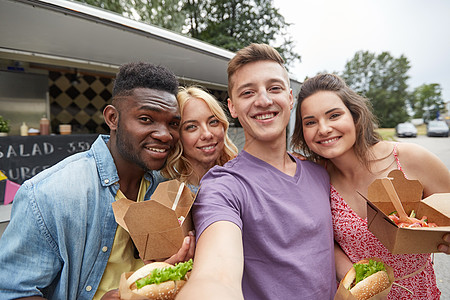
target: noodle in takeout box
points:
(158, 226)
(397, 240)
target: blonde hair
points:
(177, 165)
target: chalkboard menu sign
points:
(22, 157)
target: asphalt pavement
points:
(440, 147)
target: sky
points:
(328, 33)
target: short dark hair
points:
(144, 75)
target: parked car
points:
(437, 128)
(406, 130)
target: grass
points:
(388, 134)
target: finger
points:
(444, 248)
(191, 251)
(111, 295)
(181, 254)
(146, 262)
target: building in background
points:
(58, 60)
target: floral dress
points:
(414, 273)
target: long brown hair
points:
(359, 106)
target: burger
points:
(159, 280)
(366, 279)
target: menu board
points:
(22, 157)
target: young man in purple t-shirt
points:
(263, 220)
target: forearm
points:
(343, 263)
(208, 288)
(218, 265)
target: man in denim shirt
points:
(62, 235)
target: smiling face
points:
(144, 128)
(261, 99)
(202, 134)
(328, 126)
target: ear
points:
(291, 100)
(111, 116)
(231, 108)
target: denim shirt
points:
(62, 228)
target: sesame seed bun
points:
(369, 287)
(164, 290)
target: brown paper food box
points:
(343, 294)
(407, 240)
(153, 224)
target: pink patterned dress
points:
(355, 239)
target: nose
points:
(206, 134)
(324, 128)
(263, 99)
(163, 134)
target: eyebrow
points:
(152, 108)
(327, 112)
(331, 110)
(272, 80)
(195, 121)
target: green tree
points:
(164, 13)
(230, 24)
(427, 101)
(112, 5)
(382, 79)
(234, 24)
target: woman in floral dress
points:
(335, 126)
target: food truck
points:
(58, 60)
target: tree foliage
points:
(164, 13)
(382, 79)
(427, 101)
(112, 5)
(233, 24)
(230, 24)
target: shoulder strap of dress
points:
(399, 166)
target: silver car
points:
(437, 128)
(406, 130)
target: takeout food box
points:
(407, 240)
(159, 225)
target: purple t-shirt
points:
(285, 222)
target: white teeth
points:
(157, 150)
(329, 141)
(207, 148)
(264, 117)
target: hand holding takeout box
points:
(407, 240)
(158, 226)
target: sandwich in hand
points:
(159, 280)
(366, 278)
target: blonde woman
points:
(204, 140)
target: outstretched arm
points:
(218, 264)
(418, 163)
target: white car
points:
(406, 130)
